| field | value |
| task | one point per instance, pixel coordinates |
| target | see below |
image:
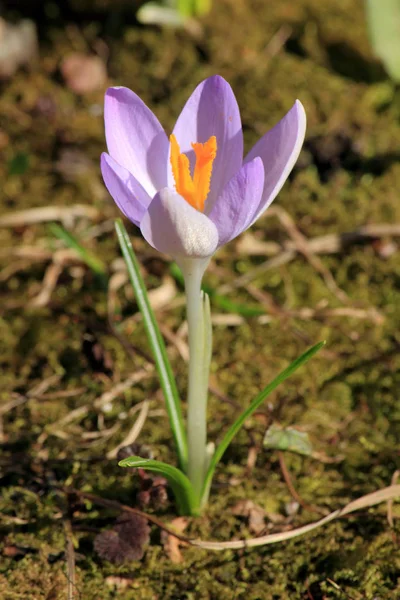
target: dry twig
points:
(395, 478)
(45, 214)
(70, 560)
(137, 427)
(81, 412)
(292, 489)
(382, 495)
(36, 392)
(303, 246)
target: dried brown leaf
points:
(119, 583)
(254, 514)
(172, 544)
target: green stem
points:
(193, 270)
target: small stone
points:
(18, 46)
(84, 74)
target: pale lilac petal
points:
(173, 226)
(135, 138)
(212, 110)
(279, 150)
(234, 209)
(130, 197)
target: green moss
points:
(346, 399)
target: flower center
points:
(194, 189)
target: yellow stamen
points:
(194, 189)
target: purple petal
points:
(173, 226)
(126, 191)
(279, 150)
(235, 207)
(135, 138)
(212, 110)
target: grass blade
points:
(185, 8)
(157, 345)
(94, 263)
(258, 400)
(180, 484)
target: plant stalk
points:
(193, 270)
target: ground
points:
(66, 341)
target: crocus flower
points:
(190, 194)
(193, 192)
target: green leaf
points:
(94, 263)
(383, 18)
(180, 484)
(288, 438)
(157, 345)
(19, 164)
(185, 7)
(258, 400)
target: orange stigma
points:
(194, 189)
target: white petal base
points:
(173, 226)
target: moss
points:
(346, 399)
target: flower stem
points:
(199, 350)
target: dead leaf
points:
(171, 543)
(14, 551)
(249, 244)
(44, 214)
(161, 296)
(57, 591)
(120, 583)
(254, 513)
(4, 140)
(251, 458)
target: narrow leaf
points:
(180, 484)
(258, 400)
(185, 8)
(94, 263)
(157, 345)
